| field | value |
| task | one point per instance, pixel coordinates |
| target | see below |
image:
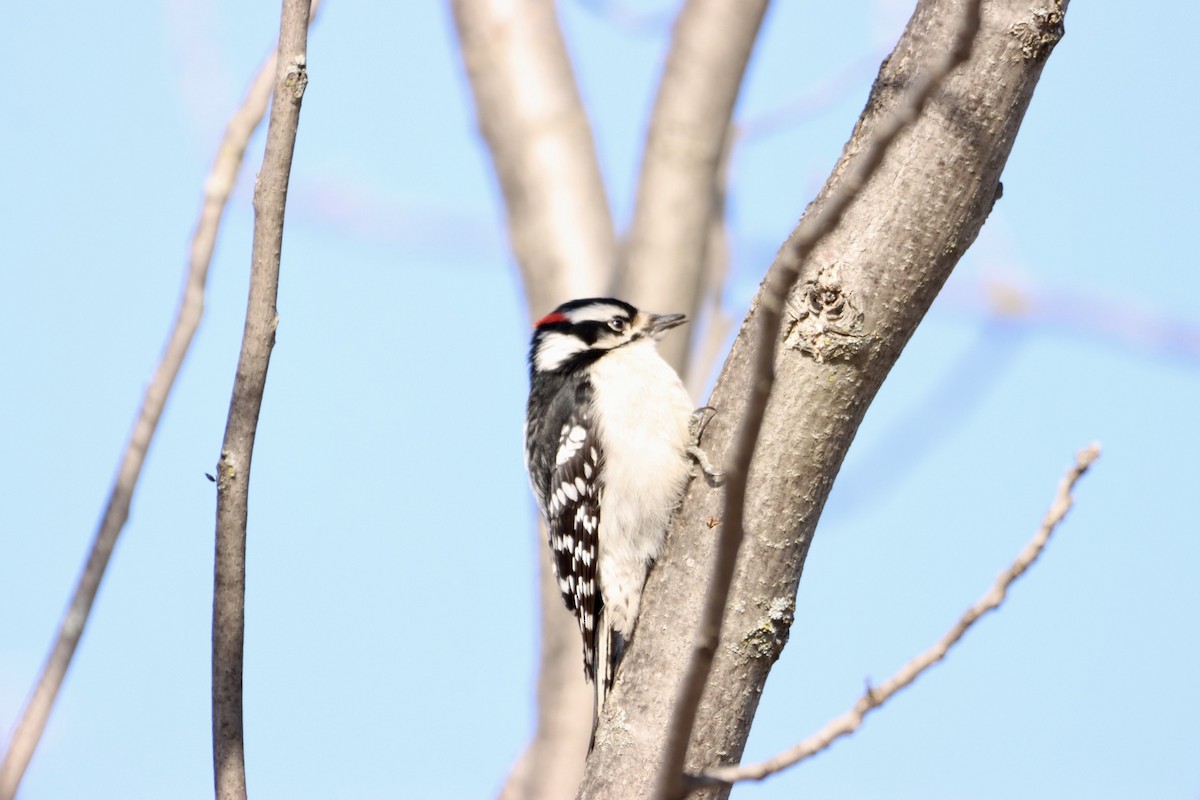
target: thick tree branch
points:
(875, 697)
(862, 291)
(678, 190)
(233, 470)
(217, 188)
(812, 229)
(530, 114)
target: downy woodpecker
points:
(606, 447)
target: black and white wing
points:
(572, 509)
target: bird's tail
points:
(610, 647)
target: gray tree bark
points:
(237, 449)
(861, 294)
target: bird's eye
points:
(617, 324)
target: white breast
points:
(644, 411)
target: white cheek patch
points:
(555, 349)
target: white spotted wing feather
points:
(572, 509)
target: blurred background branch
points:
(679, 193)
(530, 114)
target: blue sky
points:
(391, 640)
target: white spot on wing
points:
(569, 444)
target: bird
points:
(607, 438)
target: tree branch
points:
(812, 229)
(217, 188)
(552, 763)
(678, 189)
(532, 118)
(875, 697)
(233, 476)
(862, 291)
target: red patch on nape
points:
(551, 318)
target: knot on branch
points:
(768, 637)
(1036, 37)
(296, 79)
(824, 321)
(226, 472)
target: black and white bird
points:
(606, 446)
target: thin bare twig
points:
(217, 188)
(874, 697)
(816, 100)
(233, 470)
(1030, 308)
(709, 343)
(779, 282)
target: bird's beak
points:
(658, 324)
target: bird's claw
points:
(699, 421)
